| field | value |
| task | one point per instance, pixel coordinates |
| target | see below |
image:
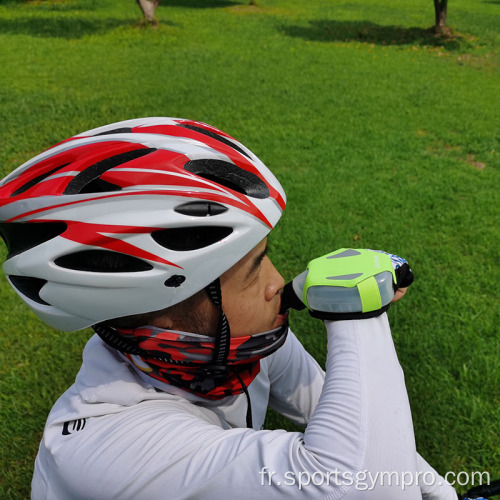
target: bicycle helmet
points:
(176, 202)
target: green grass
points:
(382, 135)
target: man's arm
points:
(296, 381)
(293, 369)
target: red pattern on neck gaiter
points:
(183, 359)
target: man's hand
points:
(349, 284)
(399, 294)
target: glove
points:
(348, 284)
(404, 275)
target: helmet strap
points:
(218, 366)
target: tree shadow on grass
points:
(51, 5)
(368, 32)
(69, 28)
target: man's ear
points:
(197, 314)
(164, 321)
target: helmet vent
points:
(190, 238)
(175, 280)
(89, 181)
(123, 130)
(200, 209)
(230, 176)
(215, 136)
(36, 180)
(29, 287)
(22, 236)
(99, 186)
(102, 261)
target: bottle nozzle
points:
(289, 299)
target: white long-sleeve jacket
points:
(114, 435)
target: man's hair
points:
(188, 312)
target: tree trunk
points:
(440, 9)
(148, 8)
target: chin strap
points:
(218, 367)
(112, 338)
(249, 419)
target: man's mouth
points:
(284, 307)
(282, 317)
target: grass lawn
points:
(382, 135)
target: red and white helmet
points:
(177, 202)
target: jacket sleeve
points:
(296, 385)
(296, 381)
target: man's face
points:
(251, 300)
(251, 294)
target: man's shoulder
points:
(105, 384)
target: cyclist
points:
(154, 232)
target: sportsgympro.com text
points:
(365, 480)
